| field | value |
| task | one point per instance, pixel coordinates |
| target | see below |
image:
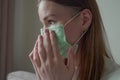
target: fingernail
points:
(46, 31)
(40, 38)
(52, 32)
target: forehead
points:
(47, 7)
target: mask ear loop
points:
(70, 21)
(65, 25)
(75, 45)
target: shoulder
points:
(21, 75)
(115, 75)
(111, 71)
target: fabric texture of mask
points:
(63, 45)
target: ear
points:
(86, 16)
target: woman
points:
(87, 57)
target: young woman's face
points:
(51, 13)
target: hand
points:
(47, 61)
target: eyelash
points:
(51, 22)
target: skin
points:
(47, 61)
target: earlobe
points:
(87, 18)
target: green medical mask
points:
(63, 44)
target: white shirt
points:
(111, 70)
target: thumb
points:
(70, 63)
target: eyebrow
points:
(45, 18)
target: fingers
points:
(41, 50)
(48, 46)
(34, 65)
(45, 49)
(36, 57)
(54, 44)
(46, 52)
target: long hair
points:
(93, 45)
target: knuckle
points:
(49, 64)
(48, 48)
(43, 56)
(42, 70)
(56, 61)
(35, 59)
(30, 55)
(40, 51)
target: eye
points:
(51, 22)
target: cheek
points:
(73, 32)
